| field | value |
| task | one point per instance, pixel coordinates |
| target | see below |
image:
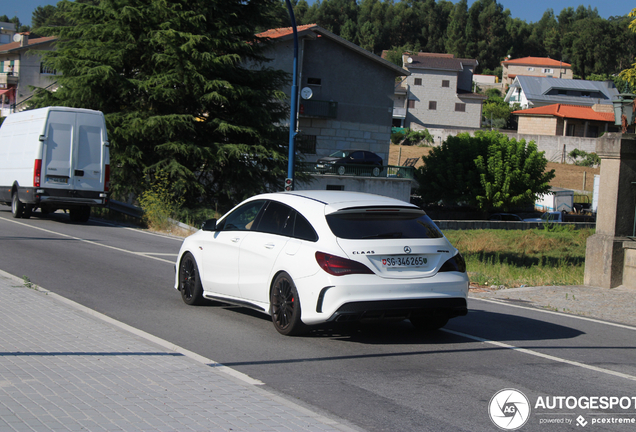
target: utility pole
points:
(293, 116)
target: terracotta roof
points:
(568, 111)
(15, 45)
(536, 61)
(280, 32)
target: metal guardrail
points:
(390, 171)
(127, 209)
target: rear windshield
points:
(379, 224)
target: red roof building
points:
(566, 120)
(535, 66)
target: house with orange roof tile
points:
(567, 120)
(345, 91)
(20, 68)
(534, 66)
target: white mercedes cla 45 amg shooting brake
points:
(312, 257)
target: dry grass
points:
(539, 257)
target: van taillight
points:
(106, 178)
(37, 171)
(338, 266)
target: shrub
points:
(487, 170)
(160, 202)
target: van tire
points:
(17, 208)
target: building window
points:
(548, 71)
(418, 81)
(411, 103)
(563, 92)
(531, 69)
(46, 70)
(445, 83)
(570, 130)
(314, 81)
(432, 105)
(460, 107)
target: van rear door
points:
(58, 159)
(89, 153)
(75, 154)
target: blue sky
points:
(530, 11)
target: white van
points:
(54, 158)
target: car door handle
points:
(236, 239)
(270, 245)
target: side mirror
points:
(209, 225)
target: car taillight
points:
(456, 263)
(37, 171)
(106, 178)
(337, 266)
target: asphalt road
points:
(378, 378)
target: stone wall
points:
(390, 187)
(332, 135)
(537, 125)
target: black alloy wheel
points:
(189, 281)
(285, 306)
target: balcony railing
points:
(390, 171)
(318, 108)
(399, 112)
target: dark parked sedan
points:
(341, 160)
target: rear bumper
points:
(62, 198)
(431, 307)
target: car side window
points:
(303, 229)
(277, 219)
(243, 218)
(357, 156)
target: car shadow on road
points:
(483, 324)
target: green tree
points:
(629, 74)
(171, 79)
(497, 112)
(456, 41)
(487, 170)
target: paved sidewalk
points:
(617, 305)
(64, 367)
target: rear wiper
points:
(396, 234)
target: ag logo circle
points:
(509, 409)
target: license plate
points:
(404, 261)
(60, 180)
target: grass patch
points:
(554, 255)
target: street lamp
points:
(624, 110)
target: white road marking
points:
(545, 356)
(505, 303)
(143, 254)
